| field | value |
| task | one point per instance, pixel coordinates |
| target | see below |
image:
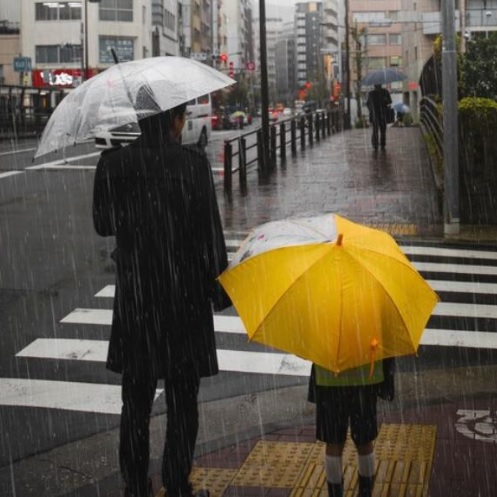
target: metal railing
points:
(291, 133)
(431, 121)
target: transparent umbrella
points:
(113, 97)
(383, 76)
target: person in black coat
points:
(379, 100)
(157, 198)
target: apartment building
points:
(69, 41)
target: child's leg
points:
(333, 467)
(366, 469)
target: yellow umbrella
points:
(330, 291)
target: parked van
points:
(197, 128)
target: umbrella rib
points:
(407, 265)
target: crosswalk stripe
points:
(437, 285)
(8, 174)
(103, 317)
(438, 267)
(448, 252)
(463, 287)
(66, 395)
(458, 338)
(229, 360)
(233, 324)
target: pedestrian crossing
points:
(466, 317)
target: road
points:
(56, 300)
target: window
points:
(395, 61)
(376, 39)
(378, 15)
(116, 10)
(376, 63)
(55, 11)
(395, 39)
(124, 48)
(55, 54)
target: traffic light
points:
(231, 72)
(308, 86)
(223, 58)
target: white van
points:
(197, 130)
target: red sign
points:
(250, 66)
(59, 78)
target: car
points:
(220, 121)
(197, 128)
(273, 115)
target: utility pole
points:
(265, 161)
(451, 134)
(348, 121)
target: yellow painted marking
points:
(404, 457)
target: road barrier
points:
(292, 132)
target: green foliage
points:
(479, 68)
(479, 113)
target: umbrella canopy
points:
(330, 291)
(382, 77)
(402, 108)
(238, 113)
(115, 97)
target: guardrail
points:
(292, 133)
(431, 121)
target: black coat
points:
(378, 101)
(159, 201)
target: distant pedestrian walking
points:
(344, 399)
(378, 103)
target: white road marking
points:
(463, 286)
(66, 395)
(437, 285)
(449, 252)
(455, 268)
(104, 316)
(63, 162)
(62, 167)
(10, 173)
(229, 360)
(458, 338)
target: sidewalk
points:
(393, 189)
(430, 443)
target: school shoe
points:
(366, 484)
(335, 489)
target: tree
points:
(358, 35)
(479, 68)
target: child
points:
(344, 399)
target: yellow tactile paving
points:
(274, 465)
(404, 456)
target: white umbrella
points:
(109, 99)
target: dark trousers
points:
(379, 127)
(181, 390)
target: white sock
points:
(333, 466)
(366, 465)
